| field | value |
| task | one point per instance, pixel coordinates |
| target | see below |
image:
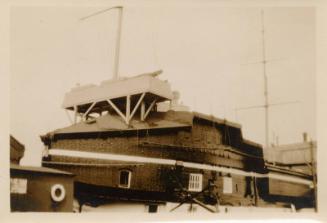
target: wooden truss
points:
(126, 115)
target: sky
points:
(207, 53)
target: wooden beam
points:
(136, 106)
(149, 109)
(142, 110)
(88, 110)
(128, 108)
(116, 109)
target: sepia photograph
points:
(174, 108)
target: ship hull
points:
(198, 158)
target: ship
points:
(132, 141)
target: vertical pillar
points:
(255, 191)
(142, 110)
(128, 108)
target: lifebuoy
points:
(58, 192)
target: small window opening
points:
(125, 178)
(153, 208)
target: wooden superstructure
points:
(132, 151)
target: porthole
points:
(58, 192)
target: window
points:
(227, 185)
(195, 182)
(153, 208)
(125, 178)
(18, 186)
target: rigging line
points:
(100, 12)
(250, 107)
(284, 103)
(262, 106)
(262, 61)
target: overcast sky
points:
(203, 51)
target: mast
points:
(117, 50)
(265, 78)
(119, 31)
(266, 105)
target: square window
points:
(195, 182)
(125, 178)
(227, 185)
(18, 186)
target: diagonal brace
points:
(117, 110)
(136, 106)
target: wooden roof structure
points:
(123, 96)
(36, 169)
(156, 120)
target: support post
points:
(255, 191)
(136, 106)
(142, 110)
(128, 108)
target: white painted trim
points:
(109, 156)
(140, 159)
